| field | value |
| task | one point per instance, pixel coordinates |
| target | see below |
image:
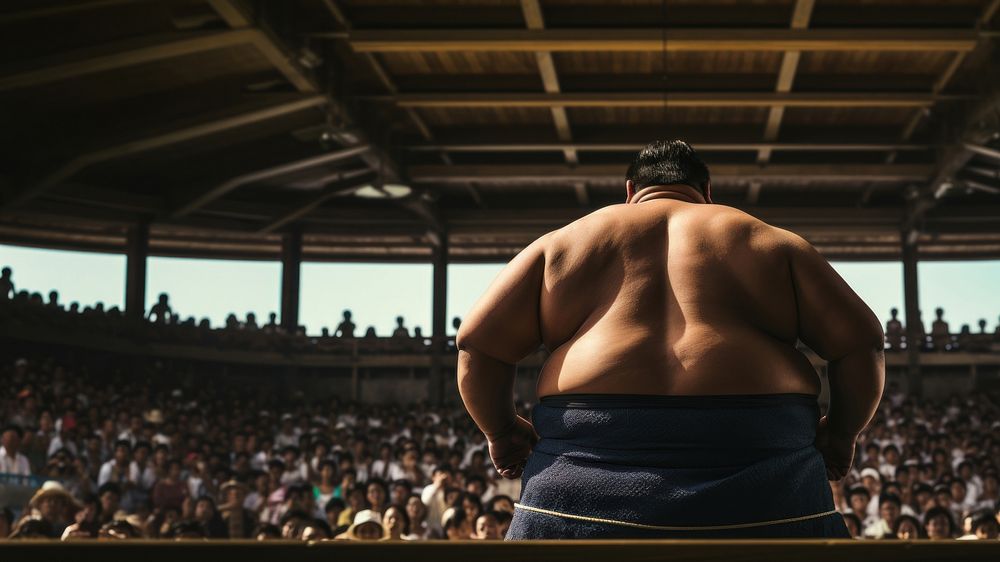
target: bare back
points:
(670, 297)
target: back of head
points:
(668, 163)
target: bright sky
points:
(377, 293)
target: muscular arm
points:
(501, 329)
(836, 324)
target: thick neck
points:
(676, 192)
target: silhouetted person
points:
(272, 326)
(894, 331)
(6, 284)
(346, 328)
(982, 325)
(54, 300)
(370, 333)
(456, 322)
(965, 339)
(996, 333)
(160, 313)
(400, 331)
(251, 323)
(940, 336)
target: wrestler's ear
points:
(708, 191)
(629, 191)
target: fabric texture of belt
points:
(673, 528)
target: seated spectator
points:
(853, 523)
(334, 508)
(367, 526)
(985, 526)
(486, 527)
(396, 524)
(11, 460)
(938, 524)
(267, 532)
(908, 528)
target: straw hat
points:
(233, 484)
(53, 489)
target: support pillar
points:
(291, 265)
(439, 321)
(911, 298)
(137, 253)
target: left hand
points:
(510, 449)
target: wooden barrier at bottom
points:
(497, 551)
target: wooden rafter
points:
(680, 99)
(704, 40)
(550, 82)
(801, 14)
(121, 55)
(457, 145)
(232, 184)
(145, 143)
(512, 172)
(942, 82)
(346, 184)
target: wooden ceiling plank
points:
(160, 140)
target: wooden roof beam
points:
(160, 140)
(801, 14)
(715, 40)
(348, 183)
(266, 174)
(579, 146)
(801, 172)
(681, 99)
(550, 82)
(121, 55)
(942, 82)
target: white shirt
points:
(14, 464)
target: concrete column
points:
(291, 264)
(439, 320)
(911, 298)
(136, 254)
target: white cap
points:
(871, 472)
(366, 516)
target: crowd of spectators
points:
(163, 324)
(118, 453)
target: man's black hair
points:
(15, 428)
(889, 498)
(334, 503)
(666, 163)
